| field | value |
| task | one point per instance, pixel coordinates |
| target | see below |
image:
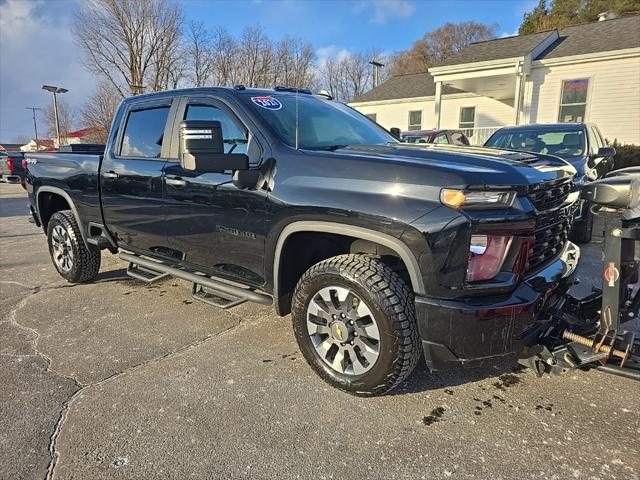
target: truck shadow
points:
(422, 380)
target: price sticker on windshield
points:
(269, 103)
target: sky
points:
(37, 47)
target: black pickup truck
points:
(381, 251)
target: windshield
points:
(567, 144)
(322, 124)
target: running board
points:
(215, 298)
(145, 274)
(232, 293)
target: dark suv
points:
(581, 144)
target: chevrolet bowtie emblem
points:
(339, 333)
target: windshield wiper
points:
(332, 148)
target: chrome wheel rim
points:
(343, 330)
(62, 249)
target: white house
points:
(587, 72)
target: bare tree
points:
(200, 53)
(294, 62)
(133, 44)
(97, 114)
(226, 65)
(440, 44)
(255, 55)
(65, 119)
(350, 75)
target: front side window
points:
(415, 120)
(309, 122)
(573, 100)
(233, 134)
(458, 138)
(467, 120)
(143, 132)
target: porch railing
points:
(479, 135)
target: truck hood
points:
(471, 166)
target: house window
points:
(371, 116)
(573, 101)
(467, 120)
(415, 120)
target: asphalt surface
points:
(120, 379)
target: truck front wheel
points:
(354, 320)
(71, 257)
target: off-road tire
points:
(582, 229)
(391, 302)
(86, 261)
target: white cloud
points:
(36, 48)
(380, 11)
(331, 52)
(507, 34)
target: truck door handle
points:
(176, 182)
(110, 174)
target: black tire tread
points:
(394, 298)
(86, 260)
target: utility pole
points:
(55, 90)
(35, 124)
(376, 67)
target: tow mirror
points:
(202, 148)
(606, 152)
(395, 132)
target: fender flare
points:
(403, 251)
(72, 206)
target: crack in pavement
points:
(82, 387)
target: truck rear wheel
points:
(71, 257)
(354, 320)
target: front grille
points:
(552, 224)
(550, 197)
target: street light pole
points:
(55, 90)
(35, 124)
(376, 66)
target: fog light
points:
(486, 256)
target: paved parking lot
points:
(120, 379)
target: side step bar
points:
(231, 293)
(145, 274)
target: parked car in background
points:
(11, 169)
(451, 137)
(580, 144)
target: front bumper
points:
(457, 333)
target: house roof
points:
(80, 133)
(404, 86)
(615, 34)
(604, 36)
(508, 47)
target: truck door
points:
(213, 225)
(131, 177)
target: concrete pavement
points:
(120, 379)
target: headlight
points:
(476, 199)
(486, 256)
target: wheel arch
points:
(360, 235)
(67, 198)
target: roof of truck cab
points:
(204, 90)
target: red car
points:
(451, 137)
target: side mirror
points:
(202, 148)
(395, 132)
(606, 152)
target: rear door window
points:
(144, 132)
(441, 138)
(457, 138)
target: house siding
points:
(613, 98)
(489, 112)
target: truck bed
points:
(73, 173)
